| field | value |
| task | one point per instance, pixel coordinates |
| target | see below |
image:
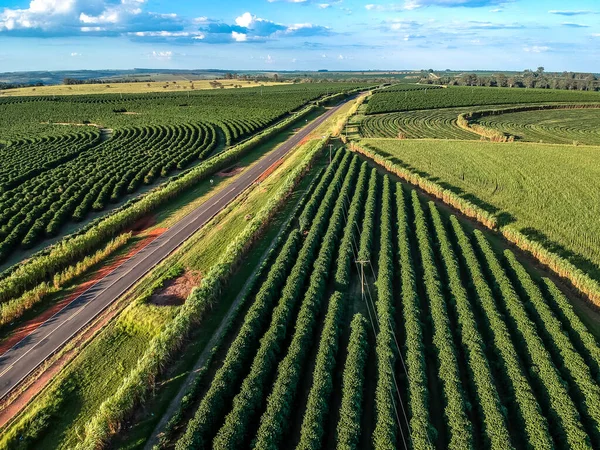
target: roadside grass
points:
(96, 372)
(132, 88)
(151, 412)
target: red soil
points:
(27, 327)
(269, 171)
(11, 406)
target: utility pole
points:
(330, 147)
(362, 275)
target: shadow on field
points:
(578, 260)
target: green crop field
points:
(394, 100)
(426, 124)
(55, 172)
(449, 336)
(551, 192)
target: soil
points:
(27, 327)
(269, 171)
(230, 172)
(177, 290)
(32, 386)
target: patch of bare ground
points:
(176, 290)
(230, 172)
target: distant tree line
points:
(75, 81)
(4, 86)
(527, 79)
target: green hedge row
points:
(455, 405)
(534, 427)
(496, 434)
(319, 397)
(368, 225)
(566, 422)
(346, 253)
(312, 206)
(421, 430)
(386, 426)
(349, 425)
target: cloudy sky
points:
(300, 34)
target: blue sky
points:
(300, 34)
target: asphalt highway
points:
(29, 353)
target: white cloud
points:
(68, 17)
(75, 54)
(245, 20)
(536, 49)
(324, 5)
(239, 37)
(162, 55)
(578, 12)
(340, 57)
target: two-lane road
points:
(24, 357)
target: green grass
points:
(550, 126)
(550, 192)
(151, 412)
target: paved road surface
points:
(25, 356)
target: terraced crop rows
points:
(428, 124)
(446, 313)
(551, 126)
